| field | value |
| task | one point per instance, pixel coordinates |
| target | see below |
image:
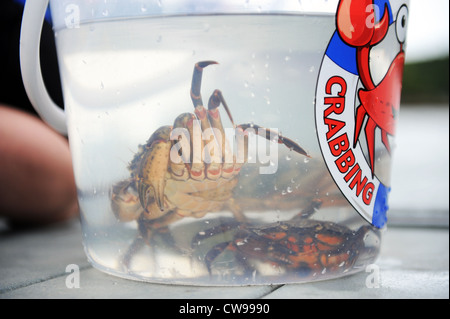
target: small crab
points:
(169, 182)
(301, 245)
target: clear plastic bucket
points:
(279, 174)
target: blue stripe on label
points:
(380, 4)
(342, 54)
(381, 207)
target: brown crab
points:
(169, 182)
(301, 246)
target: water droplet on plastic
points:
(283, 192)
(143, 8)
(160, 3)
(312, 69)
(105, 13)
(288, 157)
(306, 160)
(102, 86)
(289, 189)
(287, 58)
(246, 84)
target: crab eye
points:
(401, 24)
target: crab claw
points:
(153, 168)
(158, 195)
(355, 26)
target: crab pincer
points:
(153, 167)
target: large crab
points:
(297, 247)
(169, 182)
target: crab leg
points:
(179, 163)
(196, 96)
(270, 134)
(216, 99)
(215, 149)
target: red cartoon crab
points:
(380, 103)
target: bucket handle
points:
(30, 37)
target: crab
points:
(302, 246)
(169, 182)
(380, 103)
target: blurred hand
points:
(36, 178)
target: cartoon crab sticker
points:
(358, 98)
